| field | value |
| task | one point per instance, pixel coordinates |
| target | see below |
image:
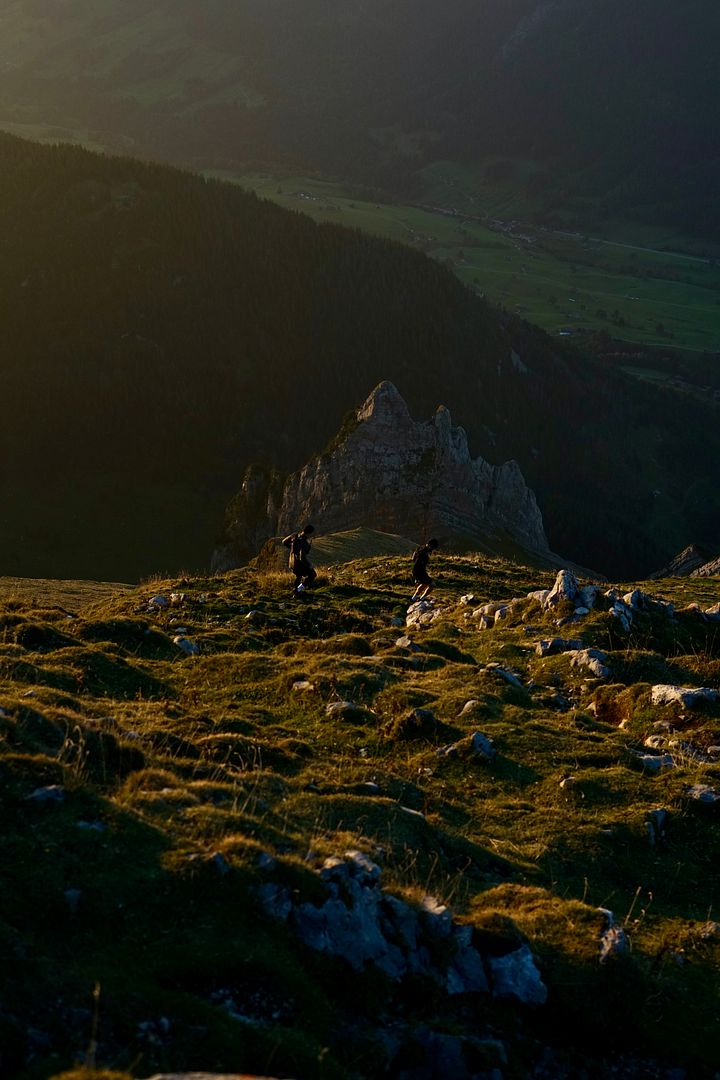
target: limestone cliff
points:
(389, 472)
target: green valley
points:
(653, 289)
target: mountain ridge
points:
(510, 83)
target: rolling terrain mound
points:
(334, 837)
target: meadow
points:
(150, 789)
(639, 285)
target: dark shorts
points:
(421, 576)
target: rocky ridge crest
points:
(389, 472)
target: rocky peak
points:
(398, 475)
(385, 405)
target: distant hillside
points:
(613, 104)
(161, 332)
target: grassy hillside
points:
(147, 794)
(378, 94)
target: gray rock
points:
(276, 900)
(469, 707)
(588, 595)
(190, 648)
(553, 646)
(405, 642)
(436, 918)
(516, 977)
(482, 746)
(654, 763)
(340, 708)
(613, 941)
(52, 794)
(622, 613)
(508, 676)
(565, 589)
(421, 613)
(592, 659)
(703, 794)
(466, 973)
(656, 823)
(158, 603)
(376, 478)
(540, 595)
(686, 696)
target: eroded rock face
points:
(391, 473)
(416, 479)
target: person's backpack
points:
(298, 549)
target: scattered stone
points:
(613, 941)
(652, 762)
(704, 794)
(580, 611)
(593, 659)
(553, 646)
(405, 642)
(656, 822)
(508, 676)
(516, 977)
(540, 595)
(190, 648)
(53, 793)
(302, 686)
(502, 613)
(468, 707)
(468, 598)
(484, 622)
(397, 621)
(90, 826)
(474, 746)
(568, 782)
(686, 696)
(623, 613)
(158, 603)
(276, 900)
(565, 589)
(421, 613)
(178, 598)
(587, 596)
(341, 708)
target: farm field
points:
(568, 283)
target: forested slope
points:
(614, 103)
(159, 332)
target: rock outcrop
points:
(389, 472)
(693, 561)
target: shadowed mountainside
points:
(600, 103)
(163, 332)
